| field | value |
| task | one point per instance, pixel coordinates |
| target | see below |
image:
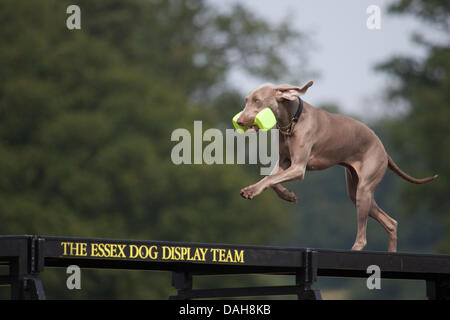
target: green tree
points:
(421, 133)
(86, 118)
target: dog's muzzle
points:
(264, 120)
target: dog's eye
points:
(257, 100)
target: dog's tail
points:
(402, 174)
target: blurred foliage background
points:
(86, 118)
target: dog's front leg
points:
(279, 189)
(295, 171)
(285, 193)
(253, 190)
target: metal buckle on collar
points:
(287, 130)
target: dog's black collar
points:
(289, 129)
(299, 110)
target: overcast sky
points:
(345, 49)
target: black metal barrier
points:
(27, 255)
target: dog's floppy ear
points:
(289, 92)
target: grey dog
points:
(313, 139)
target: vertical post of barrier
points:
(306, 276)
(182, 281)
(438, 289)
(24, 271)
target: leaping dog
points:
(313, 139)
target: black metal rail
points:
(27, 255)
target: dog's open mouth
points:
(255, 127)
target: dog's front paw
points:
(286, 194)
(289, 196)
(250, 192)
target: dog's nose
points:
(240, 121)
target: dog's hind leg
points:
(352, 183)
(389, 224)
(362, 198)
(370, 173)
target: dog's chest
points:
(284, 150)
(318, 163)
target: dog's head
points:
(269, 96)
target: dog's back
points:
(340, 139)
